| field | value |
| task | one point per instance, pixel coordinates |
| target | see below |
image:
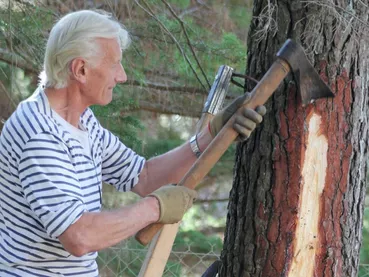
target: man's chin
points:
(106, 101)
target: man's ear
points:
(78, 70)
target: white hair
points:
(75, 35)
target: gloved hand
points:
(245, 122)
(174, 201)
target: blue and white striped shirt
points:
(47, 181)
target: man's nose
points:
(121, 75)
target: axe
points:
(290, 58)
(216, 96)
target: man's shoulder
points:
(28, 121)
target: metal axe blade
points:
(308, 81)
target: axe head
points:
(218, 90)
(309, 83)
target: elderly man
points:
(54, 156)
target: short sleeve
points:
(50, 183)
(121, 166)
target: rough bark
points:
(296, 206)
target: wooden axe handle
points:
(223, 140)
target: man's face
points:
(102, 78)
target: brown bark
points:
(297, 201)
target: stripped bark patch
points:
(313, 179)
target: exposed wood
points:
(314, 167)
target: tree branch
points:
(189, 11)
(163, 87)
(201, 201)
(188, 41)
(178, 89)
(165, 109)
(150, 12)
(210, 230)
(15, 60)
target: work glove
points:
(245, 122)
(174, 201)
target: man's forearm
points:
(96, 231)
(170, 167)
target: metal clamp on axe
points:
(216, 96)
(218, 91)
(290, 58)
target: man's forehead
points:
(111, 48)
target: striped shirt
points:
(48, 179)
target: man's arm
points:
(170, 167)
(96, 231)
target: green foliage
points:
(158, 50)
(118, 259)
(156, 147)
(125, 126)
(180, 4)
(197, 242)
(23, 29)
(241, 15)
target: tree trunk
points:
(296, 206)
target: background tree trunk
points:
(296, 205)
(7, 105)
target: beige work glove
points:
(174, 201)
(245, 122)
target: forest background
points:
(177, 47)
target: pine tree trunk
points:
(296, 206)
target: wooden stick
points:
(161, 245)
(159, 251)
